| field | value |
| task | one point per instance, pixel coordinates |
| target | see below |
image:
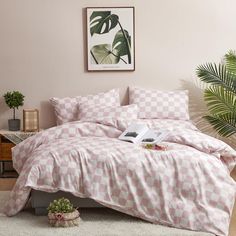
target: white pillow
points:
(88, 112)
(156, 104)
(66, 109)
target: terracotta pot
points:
(64, 219)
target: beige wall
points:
(42, 48)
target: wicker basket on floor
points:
(64, 219)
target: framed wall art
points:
(110, 39)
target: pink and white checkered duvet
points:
(188, 186)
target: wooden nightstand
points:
(8, 139)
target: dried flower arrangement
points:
(61, 213)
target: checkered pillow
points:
(160, 104)
(88, 112)
(66, 109)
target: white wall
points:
(42, 48)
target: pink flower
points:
(59, 216)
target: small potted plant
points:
(61, 213)
(14, 100)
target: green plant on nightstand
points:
(14, 100)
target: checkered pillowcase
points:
(88, 112)
(160, 104)
(66, 109)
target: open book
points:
(140, 133)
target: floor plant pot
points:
(64, 219)
(14, 124)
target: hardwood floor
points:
(7, 184)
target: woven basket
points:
(64, 219)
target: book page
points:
(149, 137)
(152, 136)
(134, 133)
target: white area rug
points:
(94, 222)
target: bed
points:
(186, 186)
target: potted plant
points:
(220, 94)
(14, 100)
(61, 213)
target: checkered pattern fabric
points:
(66, 109)
(160, 104)
(89, 112)
(186, 186)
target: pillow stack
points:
(144, 104)
(67, 109)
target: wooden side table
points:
(8, 139)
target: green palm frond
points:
(219, 100)
(225, 124)
(220, 95)
(230, 61)
(217, 75)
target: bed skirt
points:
(40, 201)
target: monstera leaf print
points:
(122, 42)
(107, 54)
(102, 22)
(111, 51)
(103, 54)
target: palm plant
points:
(220, 95)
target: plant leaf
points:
(14, 99)
(103, 54)
(220, 96)
(225, 124)
(219, 100)
(230, 61)
(212, 74)
(101, 22)
(120, 42)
